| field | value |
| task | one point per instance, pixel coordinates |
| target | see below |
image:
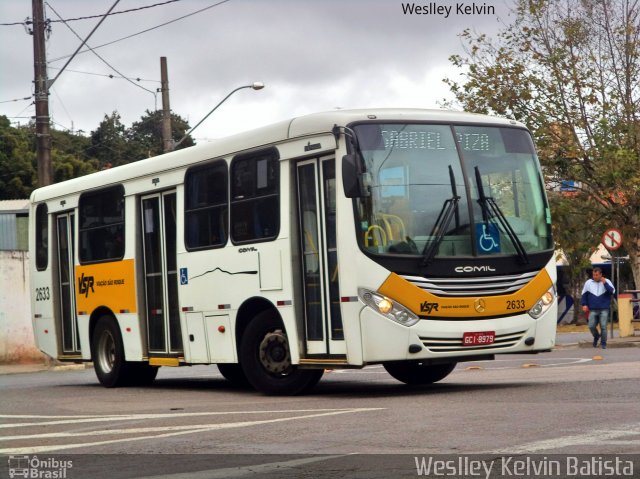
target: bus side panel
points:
(219, 281)
(109, 285)
(85, 340)
(42, 298)
(44, 324)
(132, 336)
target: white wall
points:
(16, 334)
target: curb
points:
(40, 367)
(613, 344)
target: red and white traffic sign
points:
(612, 239)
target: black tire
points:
(234, 374)
(266, 360)
(108, 354)
(141, 374)
(417, 373)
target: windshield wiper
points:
(448, 211)
(491, 209)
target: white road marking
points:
(192, 430)
(127, 417)
(597, 437)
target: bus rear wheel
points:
(108, 354)
(417, 373)
(141, 374)
(266, 359)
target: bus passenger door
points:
(316, 186)
(65, 226)
(160, 274)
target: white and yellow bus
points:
(414, 239)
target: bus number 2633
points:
(42, 294)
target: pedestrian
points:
(596, 300)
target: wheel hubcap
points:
(106, 352)
(274, 353)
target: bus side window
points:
(42, 237)
(101, 231)
(255, 202)
(206, 207)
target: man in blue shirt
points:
(596, 299)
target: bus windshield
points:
(440, 191)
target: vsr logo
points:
(427, 307)
(84, 283)
(473, 269)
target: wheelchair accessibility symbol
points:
(487, 238)
(184, 276)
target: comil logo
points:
(473, 269)
(84, 284)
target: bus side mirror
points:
(352, 178)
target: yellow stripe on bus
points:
(106, 284)
(426, 304)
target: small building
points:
(14, 225)
(16, 332)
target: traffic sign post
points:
(612, 240)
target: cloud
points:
(312, 55)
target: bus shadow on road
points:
(372, 390)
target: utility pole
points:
(167, 142)
(43, 136)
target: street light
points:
(255, 86)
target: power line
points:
(84, 42)
(108, 75)
(144, 31)
(49, 84)
(28, 22)
(16, 99)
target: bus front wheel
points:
(234, 374)
(416, 373)
(266, 359)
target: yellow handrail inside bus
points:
(381, 234)
(394, 224)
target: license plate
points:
(478, 338)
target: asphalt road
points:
(564, 402)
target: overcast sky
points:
(312, 55)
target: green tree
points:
(577, 239)
(146, 135)
(17, 161)
(569, 71)
(69, 155)
(109, 143)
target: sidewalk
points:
(42, 366)
(579, 336)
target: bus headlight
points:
(387, 307)
(543, 304)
